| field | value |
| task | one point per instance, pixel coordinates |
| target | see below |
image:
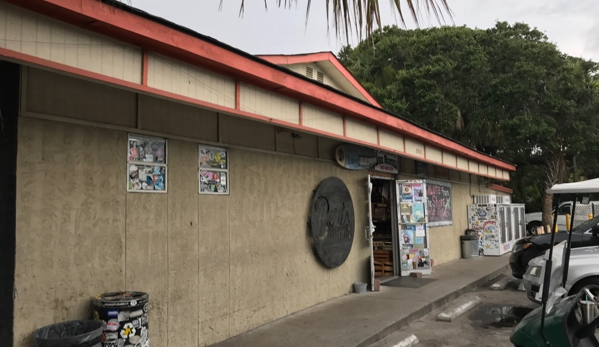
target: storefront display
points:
(413, 227)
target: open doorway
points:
(384, 237)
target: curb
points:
(502, 283)
(410, 341)
(459, 307)
(412, 317)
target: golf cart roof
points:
(590, 186)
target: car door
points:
(586, 240)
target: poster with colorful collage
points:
(146, 164)
(213, 182)
(406, 212)
(414, 259)
(213, 164)
(418, 213)
(419, 240)
(407, 237)
(417, 192)
(147, 149)
(147, 178)
(406, 192)
(213, 158)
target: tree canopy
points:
(507, 91)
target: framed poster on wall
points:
(213, 163)
(146, 164)
(439, 204)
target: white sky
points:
(572, 24)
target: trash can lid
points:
(468, 237)
(121, 299)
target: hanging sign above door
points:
(354, 157)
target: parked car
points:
(583, 270)
(530, 247)
(534, 219)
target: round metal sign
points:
(332, 222)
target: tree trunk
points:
(556, 173)
(547, 206)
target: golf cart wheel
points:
(531, 228)
(591, 283)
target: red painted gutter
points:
(114, 22)
(500, 188)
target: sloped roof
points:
(328, 59)
(152, 33)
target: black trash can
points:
(469, 246)
(125, 318)
(70, 334)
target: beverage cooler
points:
(498, 223)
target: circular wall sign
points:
(332, 222)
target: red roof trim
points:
(114, 22)
(38, 62)
(500, 188)
(317, 57)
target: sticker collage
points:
(146, 164)
(413, 240)
(213, 170)
(483, 219)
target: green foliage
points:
(506, 91)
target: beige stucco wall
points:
(445, 240)
(214, 266)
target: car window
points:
(586, 226)
(565, 209)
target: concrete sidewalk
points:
(360, 320)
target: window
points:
(563, 210)
(146, 164)
(214, 170)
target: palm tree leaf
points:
(365, 15)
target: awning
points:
(590, 186)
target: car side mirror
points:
(595, 231)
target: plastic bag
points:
(70, 334)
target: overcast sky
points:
(572, 24)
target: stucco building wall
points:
(214, 266)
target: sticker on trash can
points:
(112, 325)
(135, 314)
(124, 316)
(110, 337)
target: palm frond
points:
(365, 15)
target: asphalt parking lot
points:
(489, 324)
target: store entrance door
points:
(383, 228)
